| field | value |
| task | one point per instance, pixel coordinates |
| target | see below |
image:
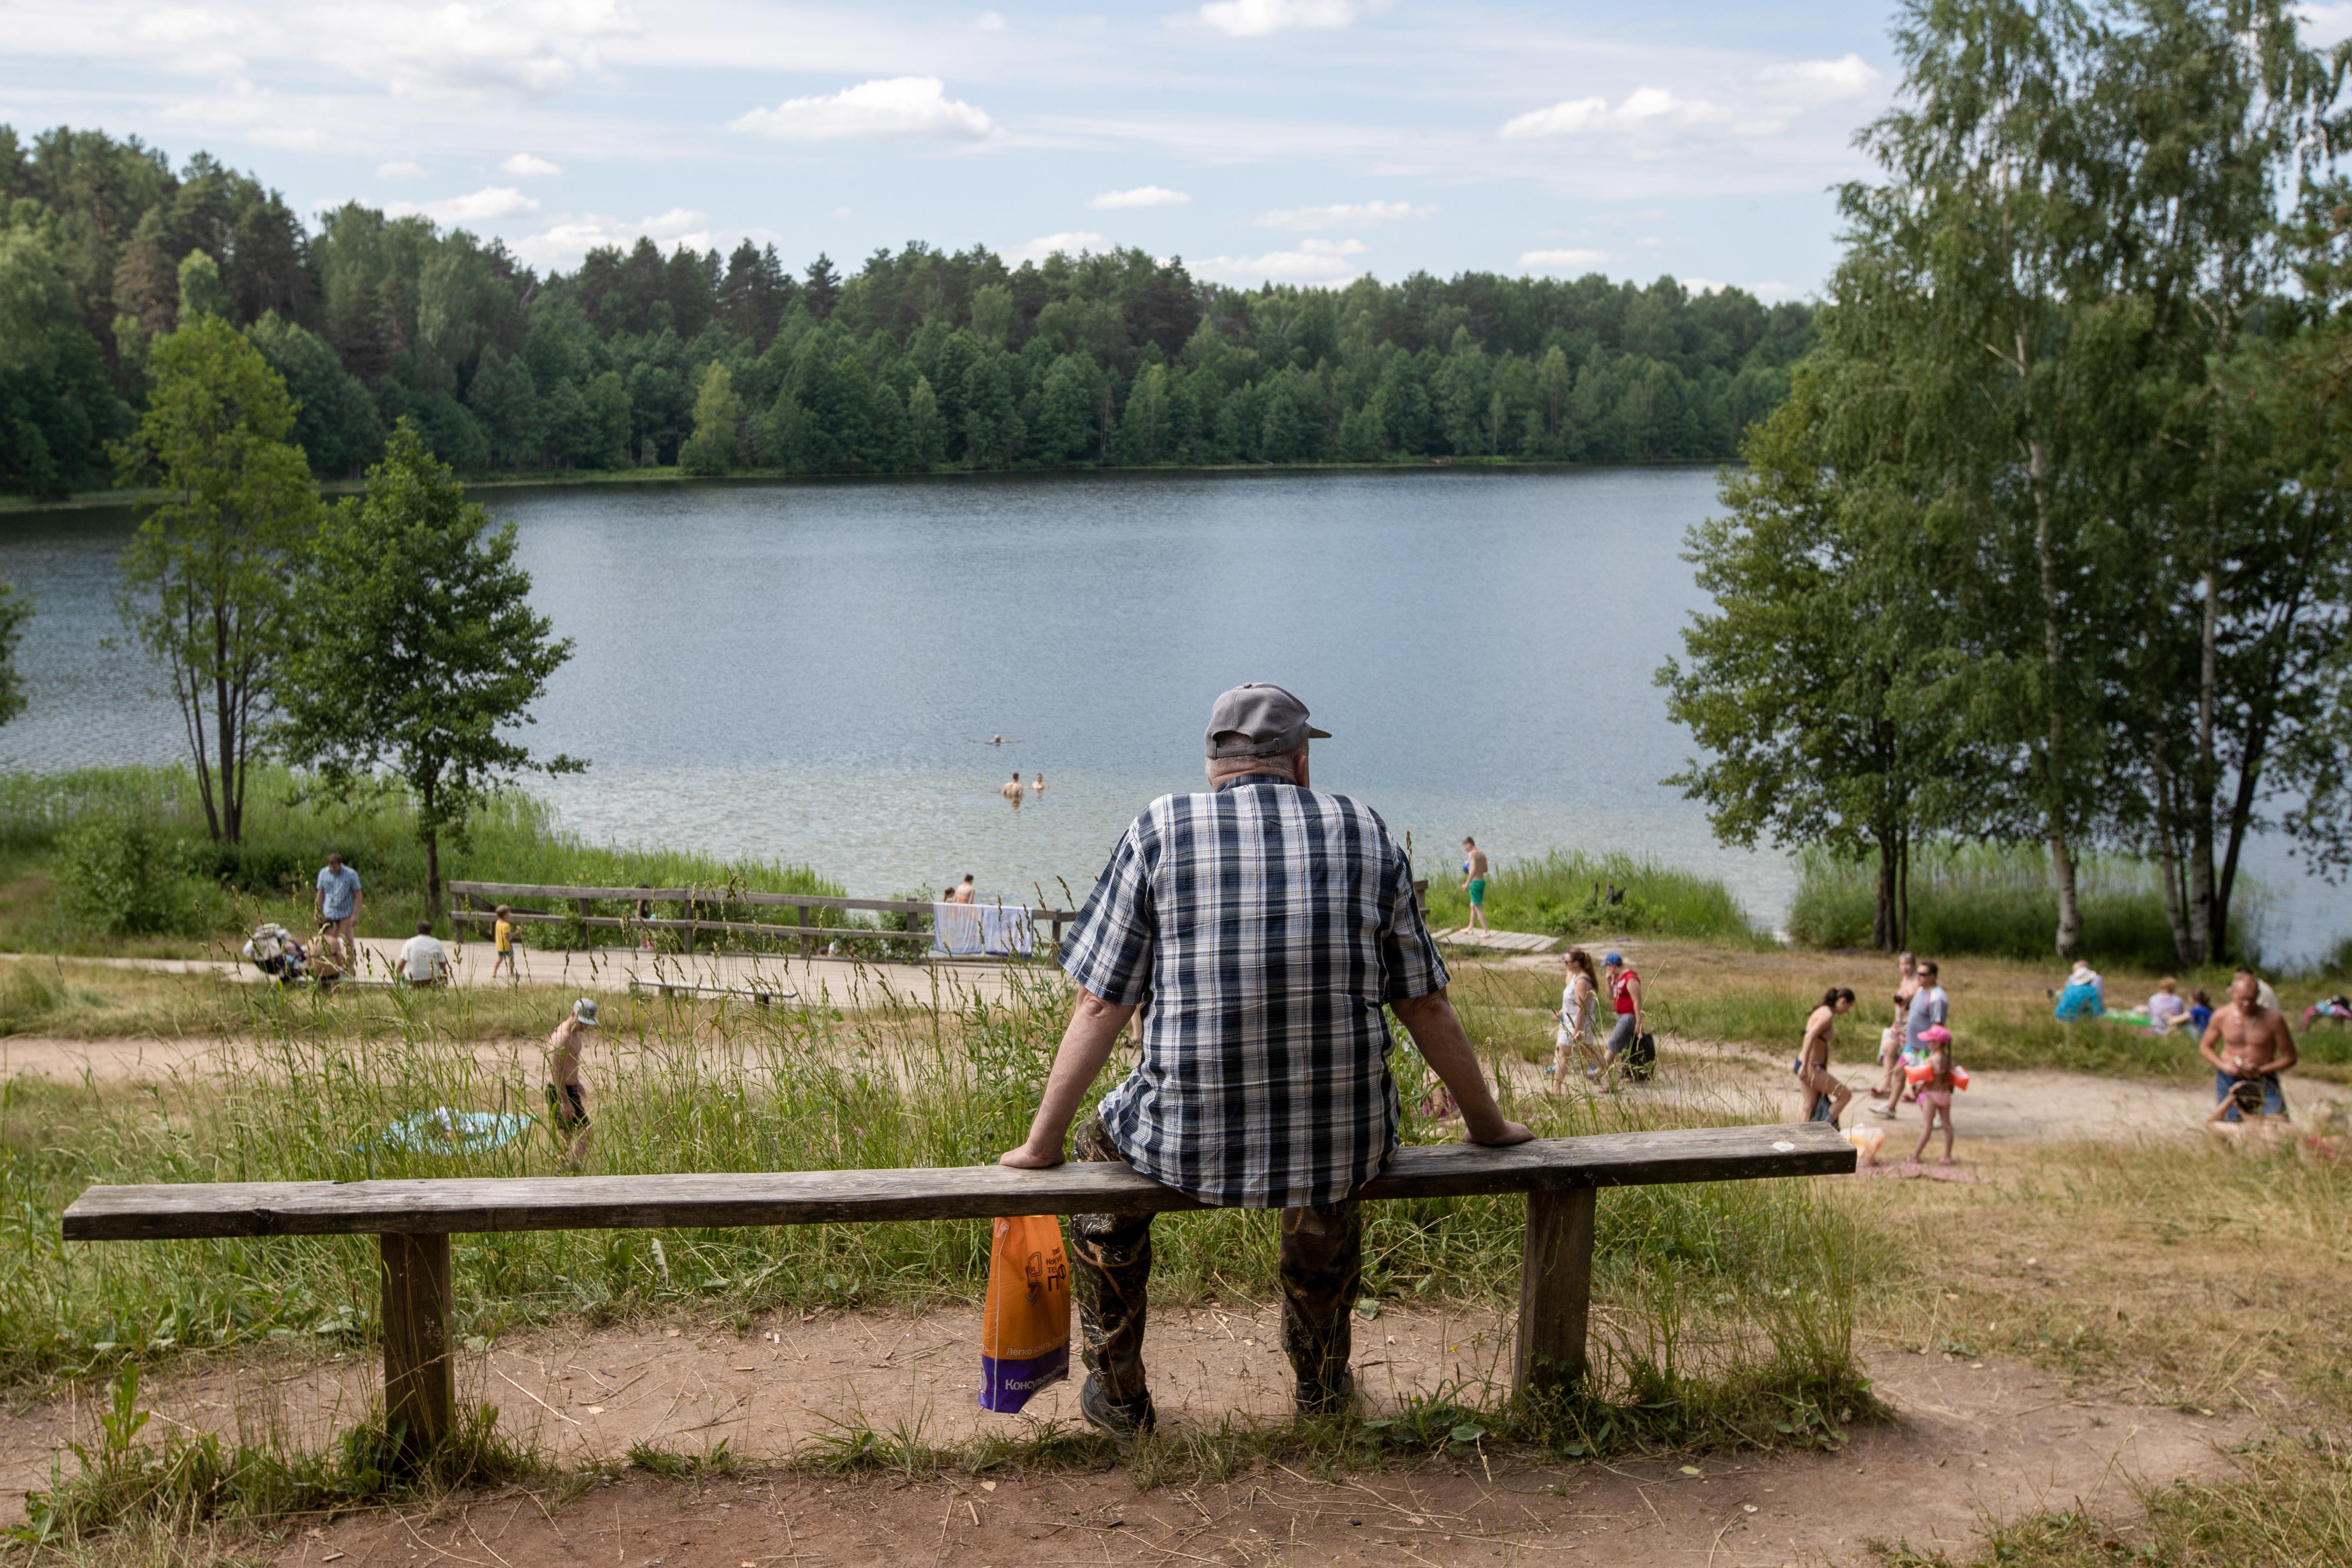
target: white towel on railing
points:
(973, 929)
(955, 929)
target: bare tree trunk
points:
(2062, 876)
(2170, 872)
(2204, 934)
(226, 733)
(2061, 855)
(1902, 890)
(1884, 930)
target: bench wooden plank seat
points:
(414, 1220)
(824, 1198)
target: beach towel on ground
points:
(442, 1131)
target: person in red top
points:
(1625, 996)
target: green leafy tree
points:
(201, 292)
(210, 577)
(1813, 682)
(717, 424)
(420, 653)
(927, 430)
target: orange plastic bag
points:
(1024, 1323)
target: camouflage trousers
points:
(1322, 1263)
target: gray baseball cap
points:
(1259, 721)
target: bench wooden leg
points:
(420, 1382)
(1555, 1290)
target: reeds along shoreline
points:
(1711, 1294)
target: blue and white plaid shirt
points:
(1263, 929)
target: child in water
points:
(1935, 1092)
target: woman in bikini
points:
(1824, 1098)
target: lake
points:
(814, 672)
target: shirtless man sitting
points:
(2255, 1047)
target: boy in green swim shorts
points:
(1474, 878)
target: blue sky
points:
(1306, 141)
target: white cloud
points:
(1563, 260)
(889, 109)
(1771, 289)
(1142, 196)
(990, 22)
(1325, 263)
(526, 165)
(1256, 18)
(1047, 245)
(534, 47)
(401, 170)
(1703, 285)
(1820, 81)
(486, 205)
(2324, 27)
(1341, 215)
(1643, 106)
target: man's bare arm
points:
(1087, 1041)
(2287, 1056)
(2205, 1045)
(1438, 1035)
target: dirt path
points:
(1970, 1440)
(832, 982)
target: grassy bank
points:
(61, 891)
(1995, 901)
(1596, 896)
(1724, 1292)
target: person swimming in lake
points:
(1039, 787)
(1012, 791)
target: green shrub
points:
(125, 875)
(1995, 901)
(1571, 896)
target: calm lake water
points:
(814, 672)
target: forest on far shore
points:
(918, 360)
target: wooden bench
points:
(414, 1219)
(474, 901)
(752, 991)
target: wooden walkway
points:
(1494, 940)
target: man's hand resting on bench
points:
(1093, 1029)
(1438, 1036)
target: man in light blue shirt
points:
(337, 906)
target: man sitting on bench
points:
(1260, 927)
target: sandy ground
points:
(1970, 1440)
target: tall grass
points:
(1996, 902)
(286, 836)
(1725, 1302)
(1574, 895)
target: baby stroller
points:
(277, 953)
